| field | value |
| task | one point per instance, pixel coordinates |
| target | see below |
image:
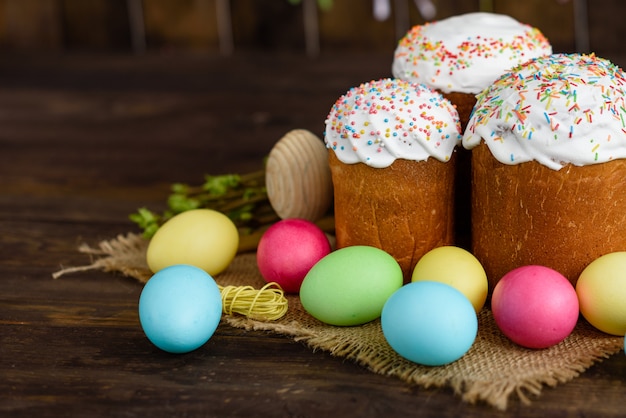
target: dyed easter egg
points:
(601, 290)
(535, 306)
(288, 250)
(456, 267)
(429, 323)
(180, 308)
(351, 285)
(204, 238)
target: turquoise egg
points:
(350, 286)
(180, 308)
(429, 323)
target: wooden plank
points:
(193, 25)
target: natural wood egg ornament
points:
(298, 177)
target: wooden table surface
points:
(84, 142)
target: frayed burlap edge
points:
(492, 371)
(124, 254)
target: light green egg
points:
(350, 286)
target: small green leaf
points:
(180, 203)
(220, 185)
(146, 220)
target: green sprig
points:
(243, 198)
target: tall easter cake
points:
(548, 144)
(391, 152)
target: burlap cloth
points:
(492, 370)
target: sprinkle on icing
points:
(383, 120)
(466, 53)
(557, 110)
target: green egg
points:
(350, 286)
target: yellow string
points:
(267, 304)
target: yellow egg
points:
(456, 267)
(204, 238)
(601, 290)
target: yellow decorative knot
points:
(266, 304)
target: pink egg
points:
(535, 306)
(288, 250)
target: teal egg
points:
(180, 308)
(350, 286)
(429, 323)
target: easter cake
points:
(462, 55)
(391, 153)
(548, 143)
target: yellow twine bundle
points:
(266, 304)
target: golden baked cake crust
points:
(530, 214)
(405, 209)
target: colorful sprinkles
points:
(444, 57)
(382, 120)
(559, 109)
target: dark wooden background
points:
(104, 25)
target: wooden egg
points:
(298, 177)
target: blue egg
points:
(429, 323)
(180, 308)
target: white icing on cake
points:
(466, 53)
(381, 121)
(557, 110)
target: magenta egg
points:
(535, 306)
(288, 250)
